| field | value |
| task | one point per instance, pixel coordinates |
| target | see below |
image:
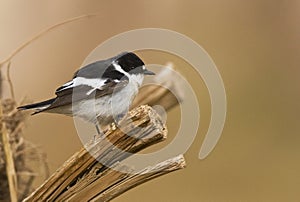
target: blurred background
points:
(255, 45)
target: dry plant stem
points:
(156, 95)
(133, 180)
(1, 82)
(11, 86)
(167, 91)
(20, 48)
(141, 128)
(10, 166)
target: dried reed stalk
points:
(10, 165)
(83, 178)
(18, 157)
(132, 180)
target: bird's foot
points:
(116, 123)
(114, 126)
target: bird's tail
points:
(38, 107)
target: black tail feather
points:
(36, 105)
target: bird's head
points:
(132, 64)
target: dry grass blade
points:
(20, 48)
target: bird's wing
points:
(94, 80)
(67, 96)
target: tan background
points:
(255, 45)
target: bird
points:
(99, 92)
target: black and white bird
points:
(99, 91)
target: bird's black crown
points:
(130, 62)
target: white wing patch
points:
(93, 83)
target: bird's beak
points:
(148, 72)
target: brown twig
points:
(10, 166)
(133, 180)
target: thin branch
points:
(10, 166)
(16, 51)
(11, 86)
(133, 180)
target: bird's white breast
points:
(110, 105)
